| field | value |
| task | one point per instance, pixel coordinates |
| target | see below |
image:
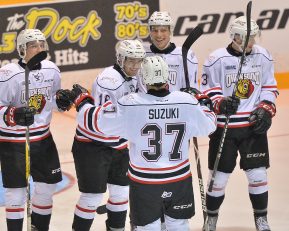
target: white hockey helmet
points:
(29, 35)
(161, 18)
(239, 27)
(130, 49)
(154, 70)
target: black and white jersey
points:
(110, 85)
(43, 84)
(173, 57)
(158, 129)
(256, 82)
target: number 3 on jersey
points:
(155, 143)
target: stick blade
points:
(36, 59)
(192, 37)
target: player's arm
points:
(210, 85)
(10, 115)
(100, 119)
(269, 89)
(202, 120)
(261, 117)
(193, 69)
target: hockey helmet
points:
(29, 35)
(154, 70)
(239, 27)
(161, 18)
(130, 49)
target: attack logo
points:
(38, 102)
(245, 88)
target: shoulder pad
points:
(110, 79)
(184, 97)
(10, 70)
(49, 65)
(129, 99)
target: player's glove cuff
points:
(82, 99)
(268, 106)
(8, 117)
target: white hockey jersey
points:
(176, 69)
(110, 85)
(43, 84)
(256, 82)
(158, 129)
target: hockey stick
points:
(193, 36)
(220, 149)
(31, 63)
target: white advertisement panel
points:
(215, 18)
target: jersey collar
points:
(159, 93)
(121, 72)
(23, 65)
(235, 53)
(167, 50)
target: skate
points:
(261, 223)
(33, 228)
(210, 224)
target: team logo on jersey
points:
(38, 77)
(38, 102)
(132, 88)
(245, 88)
(166, 194)
(5, 72)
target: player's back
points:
(159, 128)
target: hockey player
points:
(44, 82)
(158, 125)
(161, 28)
(101, 160)
(251, 108)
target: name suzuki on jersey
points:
(164, 113)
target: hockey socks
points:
(41, 222)
(81, 224)
(116, 220)
(259, 203)
(14, 224)
(213, 204)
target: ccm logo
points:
(183, 206)
(56, 170)
(255, 155)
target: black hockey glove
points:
(227, 105)
(64, 99)
(81, 96)
(23, 116)
(261, 117)
(203, 99)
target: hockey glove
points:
(64, 99)
(81, 96)
(227, 105)
(203, 99)
(261, 117)
(23, 116)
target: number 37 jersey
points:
(158, 129)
